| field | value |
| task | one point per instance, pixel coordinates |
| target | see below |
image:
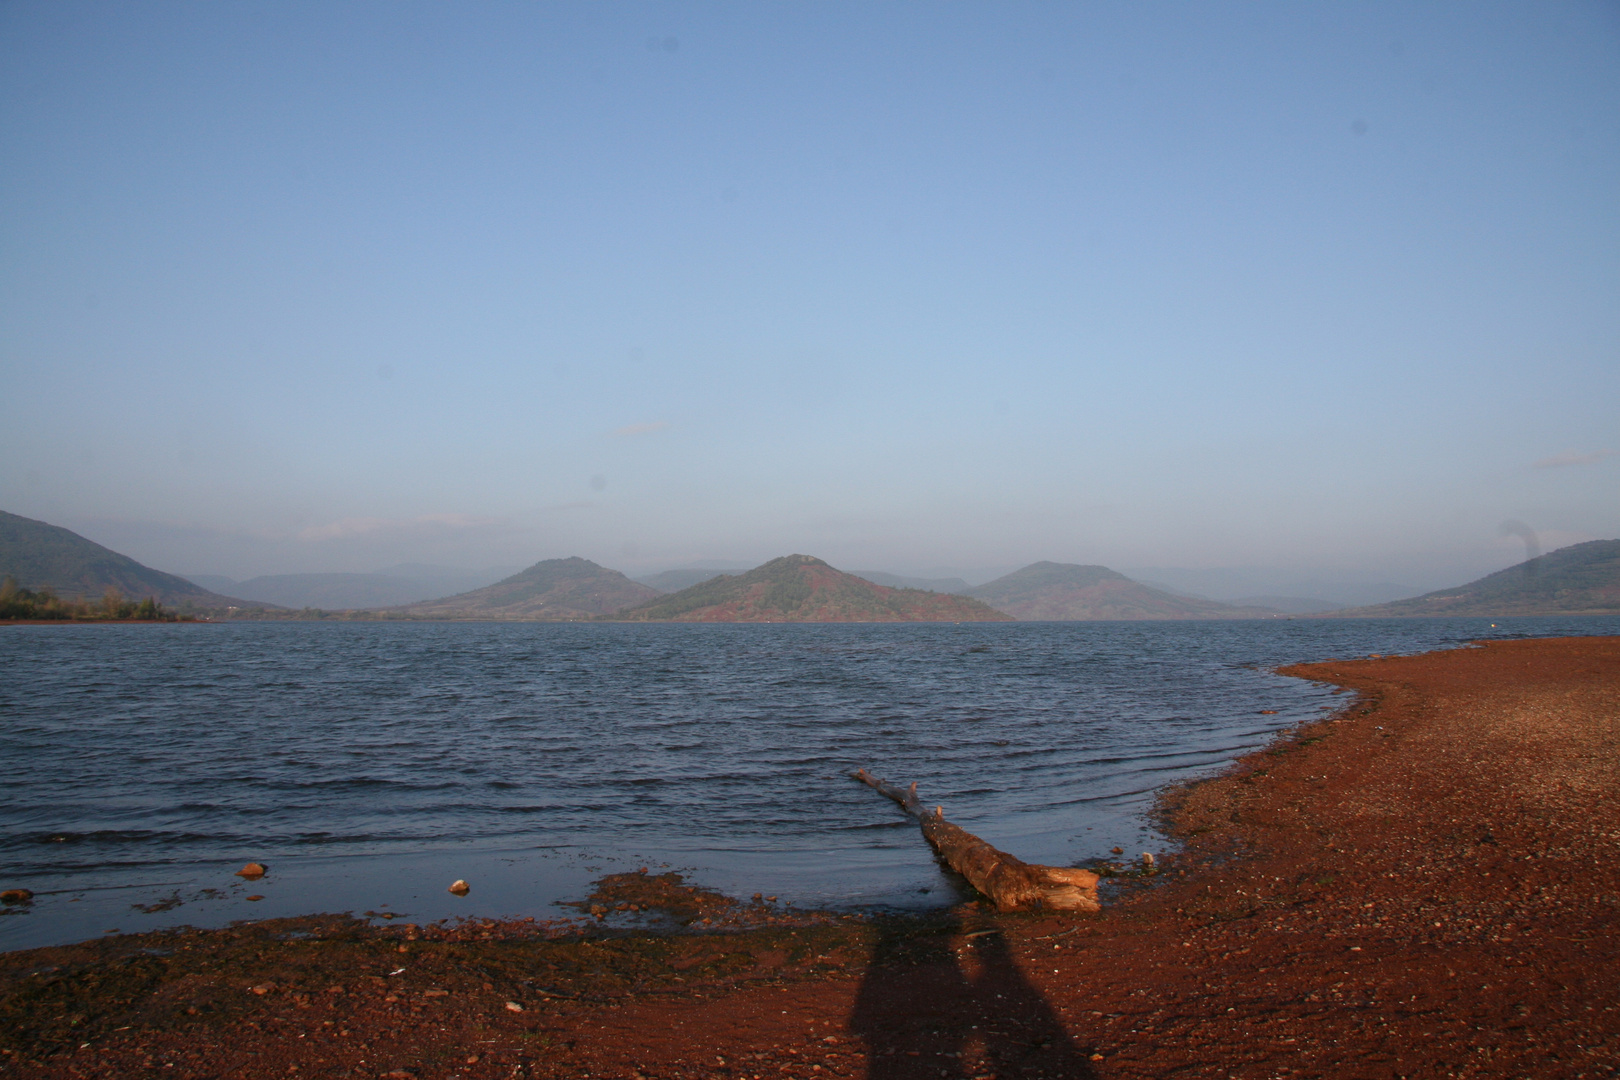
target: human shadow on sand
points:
(937, 1003)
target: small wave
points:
(107, 836)
(869, 826)
(1110, 796)
(359, 783)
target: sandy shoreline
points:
(1425, 884)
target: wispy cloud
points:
(365, 526)
(1574, 457)
(642, 429)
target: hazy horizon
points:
(1321, 294)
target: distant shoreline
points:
(363, 615)
(108, 622)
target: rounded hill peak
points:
(803, 588)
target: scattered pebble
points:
(252, 871)
(460, 888)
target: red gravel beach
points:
(1423, 884)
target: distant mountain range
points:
(407, 583)
(801, 588)
(1580, 579)
(673, 581)
(896, 581)
(1048, 591)
(1293, 592)
(1584, 578)
(44, 556)
(556, 589)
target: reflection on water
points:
(366, 762)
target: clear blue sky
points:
(325, 286)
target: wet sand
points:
(1425, 884)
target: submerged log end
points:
(906, 799)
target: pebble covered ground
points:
(1425, 883)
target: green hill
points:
(44, 556)
(1583, 579)
(1049, 591)
(799, 588)
(554, 589)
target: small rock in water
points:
(256, 896)
(1117, 850)
(16, 896)
(1148, 861)
(252, 871)
(460, 888)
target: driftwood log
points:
(1011, 883)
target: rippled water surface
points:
(371, 764)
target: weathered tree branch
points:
(1011, 883)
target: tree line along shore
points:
(43, 605)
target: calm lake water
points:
(369, 765)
